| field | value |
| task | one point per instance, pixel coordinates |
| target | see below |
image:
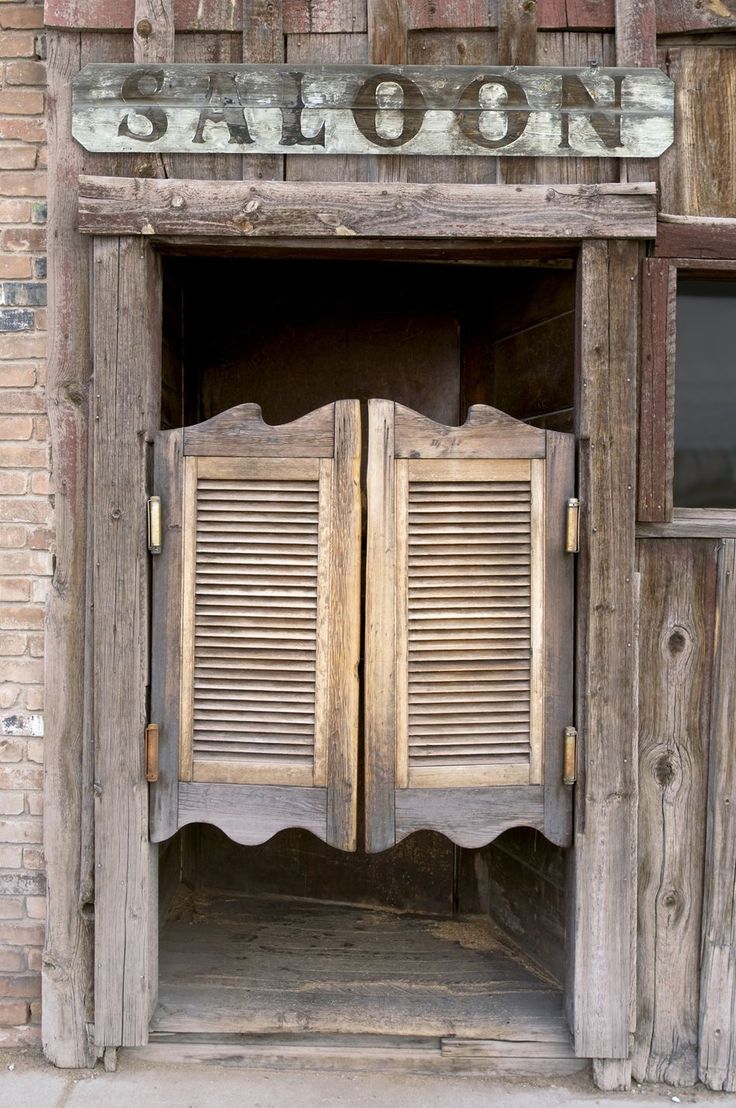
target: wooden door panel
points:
(256, 610)
(469, 656)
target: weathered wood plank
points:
(68, 952)
(604, 913)
(682, 16)
(717, 1054)
(127, 394)
(698, 175)
(119, 15)
(636, 45)
(542, 111)
(325, 17)
(263, 41)
(460, 15)
(380, 631)
(344, 645)
(692, 523)
(656, 392)
(153, 31)
(576, 14)
(695, 237)
(118, 205)
(250, 814)
(329, 49)
(517, 46)
(311, 436)
(470, 817)
(675, 658)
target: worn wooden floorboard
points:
(252, 965)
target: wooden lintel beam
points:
(302, 209)
(696, 237)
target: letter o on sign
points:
(366, 107)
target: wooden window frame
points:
(605, 224)
(690, 246)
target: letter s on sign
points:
(468, 110)
(138, 88)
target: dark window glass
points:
(705, 395)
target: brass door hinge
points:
(153, 516)
(572, 527)
(151, 740)
(569, 761)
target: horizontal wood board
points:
(369, 109)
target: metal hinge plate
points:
(151, 741)
(572, 526)
(153, 516)
(569, 762)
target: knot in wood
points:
(676, 642)
(115, 513)
(664, 771)
(672, 899)
(529, 5)
(144, 28)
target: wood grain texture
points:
(450, 14)
(325, 17)
(344, 603)
(576, 14)
(250, 814)
(68, 953)
(120, 15)
(166, 583)
(692, 523)
(636, 45)
(675, 661)
(380, 630)
(263, 41)
(299, 209)
(487, 433)
(153, 31)
(680, 17)
(127, 376)
(329, 49)
(698, 173)
(241, 433)
(517, 45)
(717, 1047)
(470, 817)
(605, 839)
(388, 46)
(695, 237)
(656, 390)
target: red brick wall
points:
(26, 539)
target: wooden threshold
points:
(368, 1054)
(245, 210)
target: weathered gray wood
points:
(127, 393)
(324, 17)
(636, 45)
(165, 633)
(517, 46)
(604, 910)
(717, 1055)
(153, 31)
(263, 42)
(241, 433)
(675, 660)
(486, 433)
(245, 210)
(612, 1074)
(380, 630)
(559, 622)
(344, 646)
(470, 817)
(692, 523)
(559, 112)
(656, 392)
(250, 814)
(67, 961)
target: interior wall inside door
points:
(293, 334)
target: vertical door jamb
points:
(603, 912)
(126, 344)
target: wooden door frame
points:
(133, 222)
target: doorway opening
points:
(428, 942)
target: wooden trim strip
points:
(251, 814)
(656, 401)
(695, 237)
(303, 209)
(692, 523)
(538, 604)
(188, 580)
(402, 466)
(470, 817)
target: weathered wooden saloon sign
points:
(367, 109)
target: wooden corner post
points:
(126, 343)
(605, 818)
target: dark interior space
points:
(292, 335)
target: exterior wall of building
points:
(26, 508)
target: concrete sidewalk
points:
(26, 1081)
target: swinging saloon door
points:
(256, 624)
(469, 627)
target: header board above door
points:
(370, 109)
